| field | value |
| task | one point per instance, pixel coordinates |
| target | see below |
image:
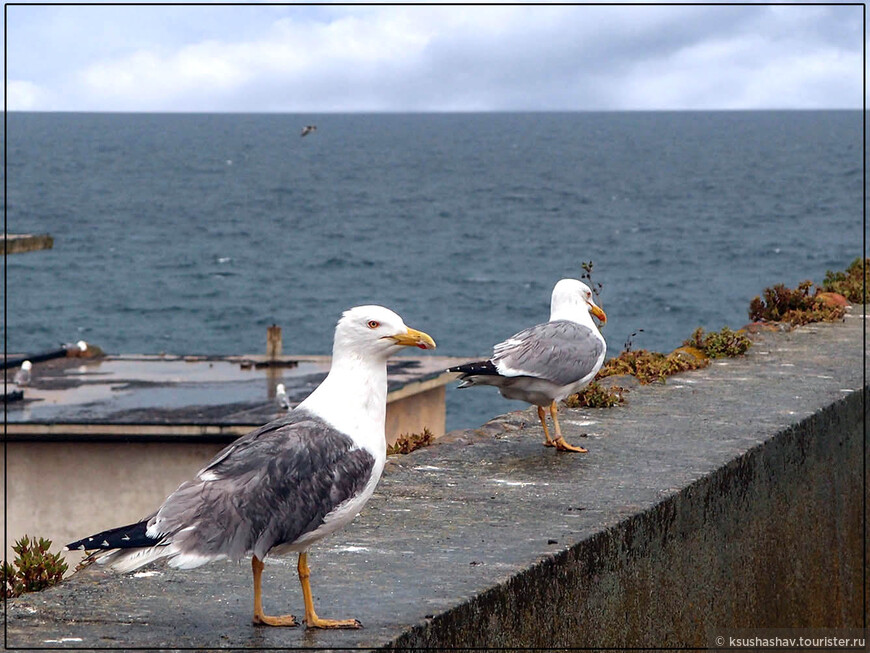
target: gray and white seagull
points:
(286, 485)
(547, 362)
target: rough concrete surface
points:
(729, 497)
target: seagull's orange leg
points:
(559, 442)
(311, 618)
(543, 417)
(259, 617)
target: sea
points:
(192, 233)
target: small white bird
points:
(307, 129)
(281, 396)
(545, 363)
(22, 376)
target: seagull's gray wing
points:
(267, 488)
(560, 351)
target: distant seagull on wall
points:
(22, 376)
(281, 397)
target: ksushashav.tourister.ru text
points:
(796, 642)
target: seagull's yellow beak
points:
(597, 312)
(414, 338)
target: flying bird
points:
(307, 129)
(22, 376)
(285, 485)
(545, 363)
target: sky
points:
(343, 58)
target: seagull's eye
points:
(373, 324)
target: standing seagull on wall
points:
(281, 397)
(22, 376)
(545, 363)
(286, 485)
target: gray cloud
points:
(399, 58)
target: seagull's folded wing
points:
(560, 351)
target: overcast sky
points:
(259, 58)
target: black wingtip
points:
(124, 537)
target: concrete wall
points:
(772, 539)
(729, 497)
(66, 490)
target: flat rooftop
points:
(167, 390)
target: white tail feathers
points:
(126, 560)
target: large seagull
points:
(548, 362)
(286, 485)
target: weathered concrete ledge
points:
(731, 497)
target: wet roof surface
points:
(166, 389)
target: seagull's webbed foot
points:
(561, 445)
(559, 442)
(317, 622)
(283, 620)
(311, 618)
(261, 619)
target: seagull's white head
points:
(375, 332)
(82, 345)
(280, 389)
(571, 296)
(26, 365)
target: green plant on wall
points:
(725, 343)
(34, 567)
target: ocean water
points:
(191, 233)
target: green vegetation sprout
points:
(721, 344)
(34, 568)
(586, 277)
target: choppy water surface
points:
(193, 233)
